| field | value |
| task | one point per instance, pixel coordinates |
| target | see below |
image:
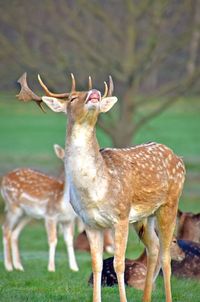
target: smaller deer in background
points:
(189, 267)
(188, 226)
(30, 194)
(135, 270)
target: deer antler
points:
(73, 83)
(105, 84)
(49, 93)
(26, 94)
(90, 83)
(111, 86)
(108, 91)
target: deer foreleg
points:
(108, 241)
(80, 225)
(14, 243)
(51, 228)
(95, 238)
(68, 233)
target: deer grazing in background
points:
(30, 194)
(188, 226)
(111, 187)
(135, 270)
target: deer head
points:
(81, 106)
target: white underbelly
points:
(98, 219)
(34, 211)
(89, 212)
(137, 215)
(32, 206)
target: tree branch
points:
(179, 91)
(107, 128)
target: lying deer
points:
(111, 187)
(30, 194)
(189, 267)
(188, 226)
(135, 270)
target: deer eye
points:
(73, 98)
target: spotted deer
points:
(31, 194)
(111, 188)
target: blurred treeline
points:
(150, 47)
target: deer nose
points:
(93, 96)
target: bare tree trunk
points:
(195, 38)
(122, 139)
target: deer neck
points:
(82, 147)
(82, 136)
(85, 168)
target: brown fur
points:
(189, 267)
(188, 226)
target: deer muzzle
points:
(94, 96)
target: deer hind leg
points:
(14, 243)
(146, 231)
(68, 233)
(121, 237)
(51, 228)
(12, 217)
(166, 220)
(95, 238)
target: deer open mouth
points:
(93, 96)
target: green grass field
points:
(26, 139)
(36, 284)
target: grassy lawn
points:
(26, 139)
(36, 284)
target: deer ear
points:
(55, 104)
(107, 103)
(59, 151)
